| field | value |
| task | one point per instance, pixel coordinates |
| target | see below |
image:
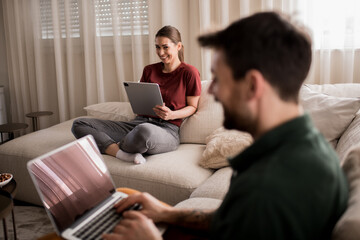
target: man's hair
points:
(268, 43)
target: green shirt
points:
(287, 185)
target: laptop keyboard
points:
(103, 223)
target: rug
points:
(31, 223)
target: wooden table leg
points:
(5, 229)
(14, 225)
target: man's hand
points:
(134, 225)
(150, 206)
(163, 112)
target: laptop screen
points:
(72, 180)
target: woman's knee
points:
(147, 138)
(144, 132)
(140, 139)
(77, 127)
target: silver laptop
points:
(143, 97)
(76, 189)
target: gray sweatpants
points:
(141, 135)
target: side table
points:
(7, 194)
(10, 128)
(34, 117)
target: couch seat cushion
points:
(171, 177)
(16, 153)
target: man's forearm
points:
(192, 218)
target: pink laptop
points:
(76, 189)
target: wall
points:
(4, 78)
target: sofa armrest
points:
(215, 186)
(199, 203)
(350, 137)
(347, 227)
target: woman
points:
(180, 88)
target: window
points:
(47, 24)
(128, 16)
(335, 24)
(131, 17)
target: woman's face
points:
(167, 50)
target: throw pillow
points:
(350, 137)
(347, 228)
(116, 111)
(222, 144)
(331, 115)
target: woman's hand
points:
(134, 225)
(166, 113)
(163, 112)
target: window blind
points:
(128, 16)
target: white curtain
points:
(66, 54)
(334, 26)
(63, 55)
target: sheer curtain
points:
(63, 55)
(66, 54)
(334, 26)
(335, 30)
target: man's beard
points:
(243, 122)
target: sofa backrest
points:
(333, 107)
(208, 117)
(350, 90)
(338, 115)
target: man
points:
(288, 184)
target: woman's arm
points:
(166, 113)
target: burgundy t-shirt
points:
(175, 86)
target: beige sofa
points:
(176, 177)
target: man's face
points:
(231, 94)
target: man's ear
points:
(256, 83)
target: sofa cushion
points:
(223, 144)
(200, 203)
(210, 188)
(350, 90)
(347, 228)
(331, 115)
(194, 129)
(208, 117)
(116, 111)
(349, 138)
(171, 176)
(16, 153)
